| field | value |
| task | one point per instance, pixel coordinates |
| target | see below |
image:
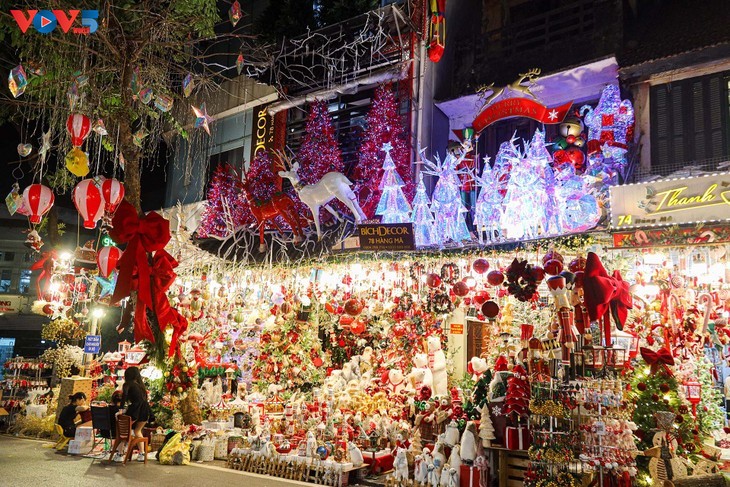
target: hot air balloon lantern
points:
(107, 259)
(113, 192)
(78, 126)
(89, 202)
(38, 199)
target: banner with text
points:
(680, 201)
(519, 107)
(390, 236)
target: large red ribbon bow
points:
(45, 265)
(163, 275)
(149, 233)
(605, 296)
(661, 358)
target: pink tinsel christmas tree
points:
(261, 183)
(319, 153)
(226, 208)
(384, 125)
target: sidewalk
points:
(28, 463)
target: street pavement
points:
(30, 463)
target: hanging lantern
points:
(693, 391)
(107, 259)
(113, 192)
(38, 199)
(88, 201)
(78, 127)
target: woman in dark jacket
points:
(67, 418)
(134, 396)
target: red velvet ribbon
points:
(605, 295)
(662, 358)
(45, 265)
(163, 275)
(149, 233)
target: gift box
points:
(76, 447)
(468, 476)
(517, 438)
(84, 434)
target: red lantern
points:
(495, 278)
(577, 264)
(357, 327)
(693, 393)
(38, 199)
(107, 259)
(433, 280)
(490, 309)
(89, 202)
(78, 127)
(461, 289)
(480, 266)
(353, 307)
(113, 192)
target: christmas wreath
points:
(522, 280)
(179, 379)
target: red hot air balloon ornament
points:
(78, 127)
(38, 199)
(113, 192)
(107, 259)
(89, 202)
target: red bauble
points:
(47, 309)
(480, 266)
(433, 280)
(346, 320)
(495, 278)
(461, 289)
(353, 307)
(317, 362)
(481, 297)
(538, 273)
(578, 264)
(285, 307)
(490, 309)
(641, 386)
(655, 397)
(330, 308)
(679, 419)
(551, 255)
(357, 327)
(553, 267)
(664, 387)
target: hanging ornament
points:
(72, 94)
(100, 128)
(17, 81)
(480, 266)
(24, 149)
(13, 200)
(490, 309)
(495, 278)
(481, 297)
(234, 13)
(113, 192)
(89, 202)
(135, 84)
(36, 68)
(357, 327)
(78, 127)
(353, 307)
(164, 103)
(460, 289)
(77, 162)
(139, 136)
(107, 260)
(38, 199)
(203, 119)
(450, 273)
(239, 63)
(188, 85)
(433, 280)
(45, 146)
(145, 95)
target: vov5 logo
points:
(46, 21)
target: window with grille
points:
(689, 123)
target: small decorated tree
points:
(319, 153)
(416, 446)
(422, 217)
(486, 428)
(480, 395)
(393, 206)
(516, 403)
(225, 209)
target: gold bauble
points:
(179, 390)
(166, 374)
(185, 369)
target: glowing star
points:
(553, 114)
(387, 147)
(203, 119)
(107, 285)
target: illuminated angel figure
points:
(488, 208)
(446, 199)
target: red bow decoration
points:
(660, 358)
(605, 296)
(45, 265)
(149, 233)
(163, 276)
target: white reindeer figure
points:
(332, 185)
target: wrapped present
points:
(468, 476)
(517, 438)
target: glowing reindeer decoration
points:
(315, 196)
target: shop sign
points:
(519, 107)
(92, 344)
(11, 304)
(457, 329)
(671, 202)
(673, 236)
(386, 236)
(264, 132)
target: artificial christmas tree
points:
(422, 217)
(516, 403)
(226, 208)
(480, 395)
(446, 200)
(486, 429)
(319, 153)
(393, 206)
(384, 125)
(261, 183)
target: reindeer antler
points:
(531, 73)
(284, 161)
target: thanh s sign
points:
(46, 21)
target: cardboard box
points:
(84, 434)
(76, 447)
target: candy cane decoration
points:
(706, 299)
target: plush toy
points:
(437, 364)
(469, 443)
(476, 367)
(400, 464)
(393, 380)
(418, 469)
(433, 476)
(421, 371)
(444, 482)
(452, 434)
(455, 457)
(355, 454)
